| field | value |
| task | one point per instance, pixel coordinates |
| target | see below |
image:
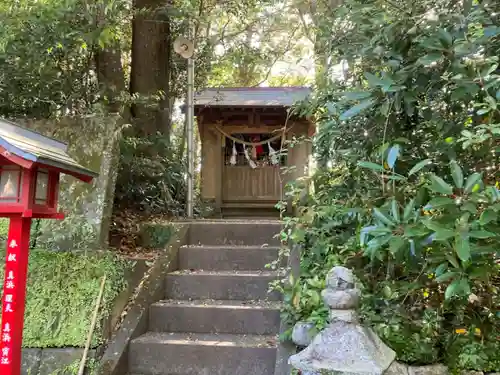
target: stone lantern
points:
(30, 168)
(344, 347)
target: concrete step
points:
(202, 354)
(235, 232)
(211, 316)
(226, 258)
(236, 211)
(221, 285)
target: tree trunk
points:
(246, 71)
(111, 80)
(150, 76)
(110, 76)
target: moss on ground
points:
(155, 235)
(61, 295)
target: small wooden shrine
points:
(245, 134)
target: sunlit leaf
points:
(364, 232)
(417, 167)
(481, 234)
(457, 174)
(357, 95)
(409, 209)
(396, 177)
(457, 288)
(446, 276)
(445, 37)
(440, 270)
(471, 181)
(434, 225)
(378, 242)
(415, 231)
(429, 59)
(372, 166)
(395, 210)
(402, 140)
(440, 202)
(491, 31)
(393, 155)
(315, 297)
(357, 109)
(382, 217)
(373, 80)
(428, 240)
(488, 70)
(462, 247)
(438, 185)
(396, 243)
(487, 216)
(469, 206)
(453, 260)
(444, 234)
(385, 107)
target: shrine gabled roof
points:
(251, 96)
(35, 147)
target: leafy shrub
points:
(151, 176)
(406, 192)
(427, 266)
(436, 264)
(61, 296)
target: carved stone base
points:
(347, 349)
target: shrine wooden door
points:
(253, 185)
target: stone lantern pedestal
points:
(344, 347)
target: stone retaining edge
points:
(115, 358)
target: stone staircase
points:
(217, 317)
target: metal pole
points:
(190, 136)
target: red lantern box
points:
(30, 168)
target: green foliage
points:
(4, 229)
(324, 228)
(251, 38)
(439, 260)
(151, 176)
(61, 296)
(156, 235)
(74, 232)
(46, 53)
(406, 192)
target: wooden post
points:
(219, 172)
(14, 295)
(290, 160)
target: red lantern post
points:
(30, 166)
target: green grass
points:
(4, 228)
(61, 296)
